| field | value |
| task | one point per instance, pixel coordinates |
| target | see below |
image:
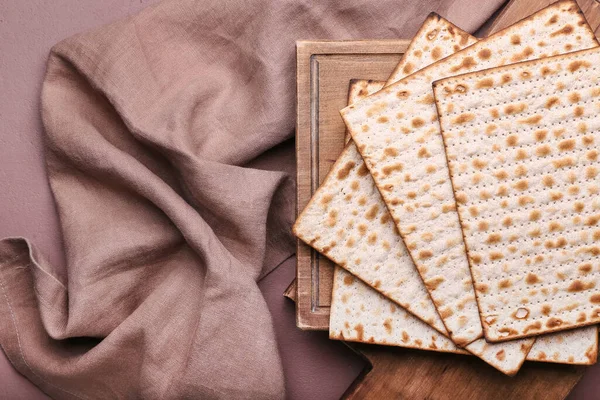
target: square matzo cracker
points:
(522, 143)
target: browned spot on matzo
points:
(514, 109)
(417, 122)
(534, 119)
(564, 162)
(424, 254)
(326, 199)
(464, 118)
(372, 213)
(391, 168)
(552, 20)
(433, 283)
(574, 97)
(428, 99)
(363, 170)
(578, 286)
(485, 83)
(466, 64)
(343, 173)
(567, 29)
(526, 53)
(376, 108)
(501, 355)
(402, 94)
(552, 101)
(553, 322)
(484, 54)
(575, 65)
(424, 153)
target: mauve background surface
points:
(314, 366)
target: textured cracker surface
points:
(346, 220)
(360, 314)
(577, 346)
(360, 89)
(526, 171)
(507, 358)
(372, 323)
(415, 183)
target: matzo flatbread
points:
(358, 313)
(507, 358)
(526, 172)
(415, 185)
(348, 222)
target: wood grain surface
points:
(324, 71)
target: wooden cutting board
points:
(324, 69)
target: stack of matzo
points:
(388, 215)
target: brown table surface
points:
(314, 366)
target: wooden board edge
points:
(365, 46)
(309, 315)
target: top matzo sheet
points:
(414, 181)
(522, 146)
